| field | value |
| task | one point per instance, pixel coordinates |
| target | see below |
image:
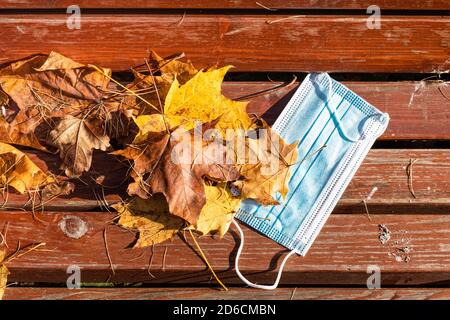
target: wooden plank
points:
(418, 110)
(31, 293)
(345, 248)
(383, 169)
(230, 4)
(303, 43)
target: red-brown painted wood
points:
(345, 248)
(249, 42)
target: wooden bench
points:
(265, 40)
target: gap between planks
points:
(300, 293)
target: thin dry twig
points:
(164, 259)
(27, 249)
(207, 262)
(167, 60)
(179, 22)
(443, 94)
(266, 91)
(3, 235)
(150, 261)
(367, 210)
(2, 238)
(409, 172)
(266, 7)
(282, 19)
(138, 257)
(123, 87)
(107, 252)
(293, 293)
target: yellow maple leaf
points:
(218, 211)
(151, 218)
(271, 172)
(19, 172)
(3, 274)
(153, 124)
(201, 99)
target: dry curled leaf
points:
(201, 99)
(76, 140)
(19, 172)
(151, 218)
(12, 135)
(54, 190)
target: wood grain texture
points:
(418, 110)
(383, 169)
(26, 293)
(347, 245)
(304, 43)
(228, 4)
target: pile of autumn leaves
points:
(54, 104)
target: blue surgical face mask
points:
(334, 129)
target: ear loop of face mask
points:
(332, 108)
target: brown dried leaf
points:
(12, 135)
(19, 172)
(44, 87)
(201, 99)
(173, 68)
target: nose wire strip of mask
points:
(293, 251)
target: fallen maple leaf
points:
(201, 99)
(76, 140)
(12, 135)
(171, 68)
(172, 164)
(45, 87)
(151, 218)
(271, 171)
(19, 172)
(153, 124)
